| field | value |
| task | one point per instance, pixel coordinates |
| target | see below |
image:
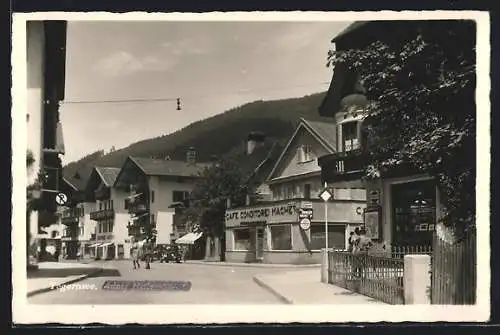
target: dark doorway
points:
(413, 213)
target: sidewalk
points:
(305, 287)
(53, 274)
(254, 265)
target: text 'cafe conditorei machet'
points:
(272, 233)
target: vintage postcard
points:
(260, 167)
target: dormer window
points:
(305, 154)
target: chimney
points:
(191, 156)
(254, 140)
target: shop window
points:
(281, 237)
(350, 136)
(336, 237)
(241, 239)
(414, 213)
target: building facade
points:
(270, 232)
(46, 59)
(156, 193)
(109, 217)
(403, 207)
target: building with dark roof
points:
(270, 231)
(108, 219)
(157, 189)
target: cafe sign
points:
(261, 214)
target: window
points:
(336, 237)
(305, 154)
(99, 228)
(281, 237)
(152, 196)
(54, 234)
(181, 196)
(111, 204)
(241, 238)
(289, 192)
(350, 136)
(153, 220)
(100, 205)
(307, 191)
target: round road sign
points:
(61, 199)
(305, 223)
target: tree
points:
(422, 110)
(222, 180)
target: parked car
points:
(172, 253)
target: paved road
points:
(210, 285)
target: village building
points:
(108, 218)
(270, 231)
(45, 82)
(256, 158)
(156, 192)
(403, 207)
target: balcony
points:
(102, 214)
(70, 216)
(342, 165)
(137, 204)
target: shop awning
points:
(94, 245)
(140, 216)
(133, 196)
(189, 238)
(106, 244)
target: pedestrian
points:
(351, 242)
(134, 254)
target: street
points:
(211, 284)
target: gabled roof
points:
(323, 129)
(108, 174)
(161, 167)
(70, 184)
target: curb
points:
(278, 295)
(48, 289)
(257, 265)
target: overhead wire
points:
(177, 98)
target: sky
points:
(210, 66)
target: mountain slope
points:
(217, 135)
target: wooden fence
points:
(378, 277)
(454, 271)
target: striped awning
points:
(106, 244)
(189, 238)
(94, 245)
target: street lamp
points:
(326, 195)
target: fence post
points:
(417, 279)
(324, 266)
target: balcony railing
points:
(338, 165)
(102, 214)
(70, 220)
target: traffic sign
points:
(305, 223)
(305, 213)
(306, 204)
(326, 194)
(61, 199)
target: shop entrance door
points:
(259, 245)
(414, 213)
